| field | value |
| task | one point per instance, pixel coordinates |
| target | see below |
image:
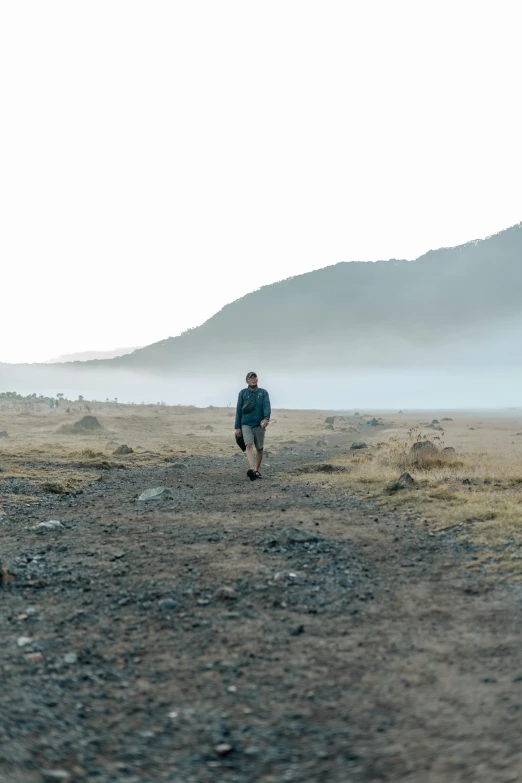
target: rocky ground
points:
(243, 632)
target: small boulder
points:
(87, 424)
(124, 450)
(423, 447)
(448, 450)
(372, 423)
(330, 420)
(359, 445)
(322, 443)
(157, 493)
(435, 421)
(52, 524)
(405, 481)
(4, 434)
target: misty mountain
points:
(453, 304)
(85, 356)
(443, 330)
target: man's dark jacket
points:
(261, 410)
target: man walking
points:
(252, 419)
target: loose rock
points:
(223, 749)
(52, 524)
(167, 604)
(359, 445)
(124, 450)
(56, 776)
(157, 493)
(291, 535)
(225, 593)
(4, 434)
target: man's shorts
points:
(253, 435)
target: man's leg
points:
(259, 440)
(248, 437)
(250, 455)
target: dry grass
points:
(475, 493)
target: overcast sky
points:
(161, 159)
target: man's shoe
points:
(258, 474)
(251, 474)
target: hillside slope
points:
(446, 305)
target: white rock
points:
(52, 524)
(70, 657)
(23, 640)
(157, 493)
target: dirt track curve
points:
(194, 641)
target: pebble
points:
(223, 749)
(52, 524)
(284, 575)
(23, 640)
(56, 776)
(291, 535)
(70, 657)
(34, 657)
(225, 594)
(167, 604)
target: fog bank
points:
(496, 387)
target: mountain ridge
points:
(452, 304)
(359, 311)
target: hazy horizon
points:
(388, 389)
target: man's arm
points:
(237, 424)
(266, 407)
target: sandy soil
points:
(194, 640)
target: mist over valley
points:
(444, 330)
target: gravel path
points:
(250, 633)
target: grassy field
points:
(474, 492)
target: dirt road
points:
(198, 640)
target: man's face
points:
(252, 382)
